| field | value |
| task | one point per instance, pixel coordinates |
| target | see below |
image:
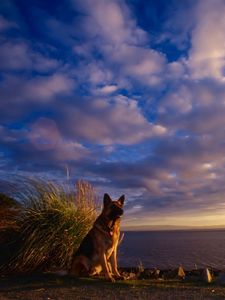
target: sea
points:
(171, 249)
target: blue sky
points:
(129, 95)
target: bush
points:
(8, 209)
(52, 222)
(9, 231)
(7, 202)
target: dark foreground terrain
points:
(50, 286)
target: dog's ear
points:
(121, 200)
(106, 199)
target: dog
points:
(98, 250)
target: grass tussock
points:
(9, 231)
(52, 222)
(8, 209)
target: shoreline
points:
(139, 273)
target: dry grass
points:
(52, 222)
(8, 209)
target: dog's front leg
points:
(114, 265)
(105, 267)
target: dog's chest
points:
(109, 247)
(110, 244)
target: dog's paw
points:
(119, 277)
(111, 279)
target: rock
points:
(149, 274)
(180, 273)
(130, 276)
(140, 267)
(207, 276)
(157, 273)
(221, 278)
(196, 273)
(170, 274)
(175, 274)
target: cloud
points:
(40, 88)
(29, 95)
(112, 21)
(107, 89)
(18, 56)
(206, 56)
(119, 121)
(95, 91)
(180, 175)
(93, 76)
(172, 33)
(196, 108)
(44, 136)
(39, 145)
(178, 101)
(6, 25)
(48, 87)
(111, 30)
(139, 63)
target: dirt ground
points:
(49, 287)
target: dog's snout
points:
(119, 211)
(116, 211)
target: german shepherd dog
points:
(98, 250)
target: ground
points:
(49, 287)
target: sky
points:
(126, 94)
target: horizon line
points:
(171, 228)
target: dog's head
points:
(113, 209)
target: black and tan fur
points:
(98, 250)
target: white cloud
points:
(195, 107)
(207, 54)
(180, 101)
(138, 62)
(112, 20)
(119, 121)
(95, 73)
(107, 89)
(47, 87)
(176, 70)
(111, 29)
(44, 136)
(25, 94)
(19, 56)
